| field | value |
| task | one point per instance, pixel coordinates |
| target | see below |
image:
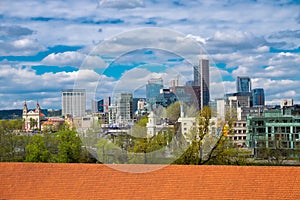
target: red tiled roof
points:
(95, 181)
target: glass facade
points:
(243, 84)
(258, 97)
(152, 90)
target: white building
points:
(73, 102)
(32, 119)
(156, 125)
(121, 109)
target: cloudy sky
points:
(115, 45)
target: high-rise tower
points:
(243, 84)
(153, 89)
(201, 78)
(258, 97)
(74, 102)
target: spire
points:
(25, 108)
(38, 108)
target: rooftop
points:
(96, 181)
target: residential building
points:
(74, 102)
(239, 135)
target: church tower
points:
(25, 109)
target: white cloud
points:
(237, 33)
(20, 47)
(121, 4)
(76, 59)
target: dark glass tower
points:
(201, 78)
(243, 84)
(258, 97)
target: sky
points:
(107, 46)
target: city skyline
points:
(43, 46)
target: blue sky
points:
(47, 46)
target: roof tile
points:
(93, 181)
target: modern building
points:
(201, 78)
(121, 109)
(98, 106)
(273, 131)
(188, 94)
(243, 84)
(153, 89)
(165, 98)
(258, 97)
(74, 102)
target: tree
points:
(36, 150)
(12, 145)
(69, 146)
(202, 145)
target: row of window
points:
(73, 94)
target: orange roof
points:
(95, 181)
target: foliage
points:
(36, 150)
(69, 146)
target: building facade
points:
(273, 131)
(74, 102)
(33, 118)
(258, 97)
(243, 84)
(153, 88)
(121, 112)
(201, 78)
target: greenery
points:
(62, 146)
(65, 145)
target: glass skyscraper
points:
(243, 84)
(153, 89)
(258, 97)
(201, 78)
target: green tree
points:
(69, 146)
(12, 144)
(36, 150)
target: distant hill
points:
(17, 113)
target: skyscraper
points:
(153, 89)
(243, 84)
(121, 109)
(74, 102)
(258, 97)
(201, 78)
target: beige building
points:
(33, 118)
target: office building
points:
(74, 102)
(189, 95)
(258, 97)
(243, 84)
(153, 89)
(165, 98)
(273, 131)
(201, 78)
(121, 112)
(98, 106)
